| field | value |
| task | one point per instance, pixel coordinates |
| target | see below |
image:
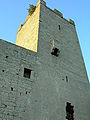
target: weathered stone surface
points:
(54, 80)
(29, 31)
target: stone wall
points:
(27, 35)
(54, 80)
(15, 89)
(42, 96)
(60, 33)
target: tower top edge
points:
(57, 12)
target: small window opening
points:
(55, 52)
(7, 113)
(6, 56)
(59, 27)
(26, 92)
(66, 79)
(69, 111)
(5, 105)
(2, 70)
(11, 88)
(27, 73)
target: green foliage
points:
(31, 9)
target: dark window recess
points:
(55, 51)
(66, 79)
(5, 105)
(59, 27)
(69, 111)
(6, 56)
(2, 70)
(27, 73)
(40, 20)
(11, 88)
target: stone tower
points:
(43, 76)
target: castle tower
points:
(43, 76)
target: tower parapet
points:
(58, 13)
(71, 21)
(27, 35)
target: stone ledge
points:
(71, 21)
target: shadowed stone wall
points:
(37, 85)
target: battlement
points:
(57, 12)
(71, 21)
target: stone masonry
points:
(43, 76)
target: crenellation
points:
(71, 21)
(58, 13)
(54, 11)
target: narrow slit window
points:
(27, 73)
(11, 88)
(66, 79)
(59, 27)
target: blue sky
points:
(14, 12)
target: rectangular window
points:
(69, 111)
(27, 73)
(59, 27)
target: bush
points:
(31, 9)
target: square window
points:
(55, 52)
(27, 73)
